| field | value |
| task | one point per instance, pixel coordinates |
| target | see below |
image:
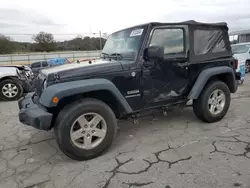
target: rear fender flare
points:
(206, 74)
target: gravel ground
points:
(167, 152)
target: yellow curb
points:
(16, 63)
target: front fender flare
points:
(67, 89)
(206, 74)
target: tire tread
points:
(63, 117)
(200, 104)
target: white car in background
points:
(14, 82)
(241, 52)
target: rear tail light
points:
(236, 63)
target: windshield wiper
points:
(117, 55)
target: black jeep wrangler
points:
(150, 66)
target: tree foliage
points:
(6, 45)
(44, 42)
(83, 44)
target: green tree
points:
(6, 45)
(44, 42)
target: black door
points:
(165, 82)
(128, 83)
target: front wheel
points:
(85, 129)
(10, 90)
(213, 102)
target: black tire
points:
(247, 66)
(15, 83)
(67, 117)
(200, 105)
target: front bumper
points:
(32, 114)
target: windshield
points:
(239, 49)
(125, 43)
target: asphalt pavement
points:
(177, 151)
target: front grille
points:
(39, 84)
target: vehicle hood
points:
(8, 71)
(82, 69)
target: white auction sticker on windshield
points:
(136, 32)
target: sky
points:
(20, 19)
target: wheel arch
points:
(103, 95)
(223, 73)
(23, 85)
(100, 89)
(8, 77)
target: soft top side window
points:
(172, 39)
(208, 40)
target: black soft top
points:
(194, 23)
(207, 41)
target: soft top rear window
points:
(208, 40)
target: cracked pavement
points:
(163, 152)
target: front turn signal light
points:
(55, 100)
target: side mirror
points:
(154, 53)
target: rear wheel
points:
(213, 102)
(10, 90)
(85, 129)
(247, 66)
